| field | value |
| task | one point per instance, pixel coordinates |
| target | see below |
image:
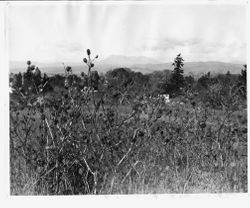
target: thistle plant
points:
(78, 140)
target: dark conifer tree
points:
(177, 80)
(242, 81)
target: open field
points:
(153, 148)
(131, 97)
(120, 133)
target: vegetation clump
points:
(114, 134)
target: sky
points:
(63, 32)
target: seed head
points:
(88, 52)
(92, 65)
(68, 68)
(96, 56)
(85, 60)
(28, 62)
(83, 74)
(32, 67)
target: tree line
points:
(126, 83)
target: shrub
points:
(77, 141)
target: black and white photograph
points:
(127, 98)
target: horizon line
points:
(78, 62)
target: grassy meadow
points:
(116, 134)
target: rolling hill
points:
(140, 64)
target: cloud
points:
(169, 44)
(197, 49)
(161, 31)
(73, 47)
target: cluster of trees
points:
(30, 82)
(125, 83)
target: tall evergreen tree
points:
(17, 80)
(242, 81)
(243, 76)
(177, 80)
(37, 76)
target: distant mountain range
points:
(119, 60)
(141, 64)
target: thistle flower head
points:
(68, 68)
(88, 52)
(85, 60)
(32, 67)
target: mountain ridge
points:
(140, 63)
(128, 60)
